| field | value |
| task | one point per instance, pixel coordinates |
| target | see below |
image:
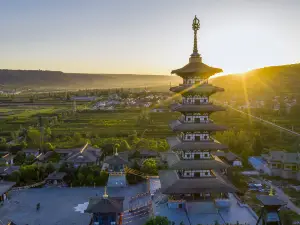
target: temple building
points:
(105, 210)
(194, 173)
(115, 166)
(270, 210)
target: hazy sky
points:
(147, 36)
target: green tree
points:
(19, 158)
(34, 136)
(90, 179)
(49, 168)
(149, 167)
(2, 140)
(48, 133)
(48, 146)
(77, 137)
(80, 178)
(158, 220)
(29, 159)
(15, 176)
(124, 146)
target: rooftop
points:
(5, 186)
(268, 200)
(172, 184)
(105, 205)
(174, 162)
(197, 88)
(177, 144)
(56, 176)
(197, 108)
(117, 159)
(177, 125)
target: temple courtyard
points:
(64, 206)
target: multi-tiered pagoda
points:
(194, 173)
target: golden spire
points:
(105, 195)
(196, 27)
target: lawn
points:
(294, 195)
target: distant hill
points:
(261, 84)
(57, 79)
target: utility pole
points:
(74, 107)
(41, 133)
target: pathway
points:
(281, 195)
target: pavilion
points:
(105, 210)
(115, 165)
(56, 178)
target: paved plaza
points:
(207, 213)
(64, 206)
(59, 206)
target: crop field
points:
(114, 124)
(14, 117)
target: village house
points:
(229, 157)
(87, 155)
(7, 170)
(8, 159)
(283, 164)
(34, 152)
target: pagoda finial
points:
(116, 147)
(196, 27)
(105, 195)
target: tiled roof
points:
(197, 108)
(116, 160)
(177, 125)
(105, 205)
(56, 176)
(175, 163)
(176, 144)
(202, 88)
(197, 68)
(172, 184)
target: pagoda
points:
(194, 173)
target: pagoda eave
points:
(178, 126)
(197, 108)
(176, 144)
(172, 184)
(175, 163)
(196, 88)
(197, 68)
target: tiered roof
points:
(180, 126)
(209, 107)
(202, 88)
(105, 205)
(176, 143)
(196, 68)
(175, 163)
(117, 159)
(171, 183)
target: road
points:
(281, 195)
